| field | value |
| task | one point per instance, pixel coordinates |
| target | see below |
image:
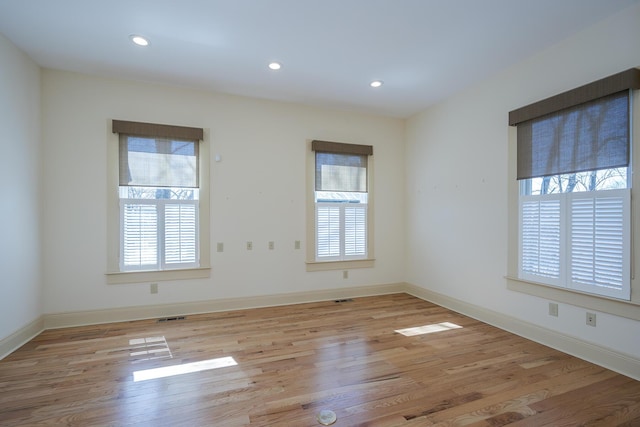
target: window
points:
(158, 203)
(159, 196)
(341, 202)
(574, 210)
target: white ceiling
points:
(423, 50)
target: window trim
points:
(113, 273)
(311, 263)
(628, 309)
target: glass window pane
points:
(597, 180)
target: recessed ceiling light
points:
(139, 40)
(275, 65)
(376, 83)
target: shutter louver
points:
(355, 231)
(598, 240)
(540, 237)
(328, 231)
(180, 233)
(140, 239)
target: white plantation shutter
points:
(355, 231)
(597, 240)
(599, 243)
(140, 240)
(540, 238)
(327, 231)
(181, 233)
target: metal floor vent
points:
(171, 319)
(344, 300)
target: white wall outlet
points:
(153, 288)
(220, 247)
(249, 246)
(345, 274)
(591, 319)
(553, 309)
(296, 244)
(272, 246)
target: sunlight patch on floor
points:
(428, 329)
(185, 368)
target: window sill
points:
(628, 309)
(339, 265)
(121, 277)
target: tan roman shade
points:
(580, 130)
(155, 155)
(341, 167)
(625, 80)
(341, 148)
(156, 130)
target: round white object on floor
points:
(327, 417)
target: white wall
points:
(456, 171)
(257, 191)
(20, 256)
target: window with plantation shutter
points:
(574, 168)
(159, 196)
(341, 201)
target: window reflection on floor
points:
(150, 348)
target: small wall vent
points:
(171, 319)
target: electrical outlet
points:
(220, 247)
(249, 246)
(153, 288)
(345, 274)
(272, 246)
(553, 309)
(591, 319)
(296, 244)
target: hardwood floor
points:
(280, 366)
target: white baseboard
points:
(94, 317)
(624, 364)
(23, 335)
